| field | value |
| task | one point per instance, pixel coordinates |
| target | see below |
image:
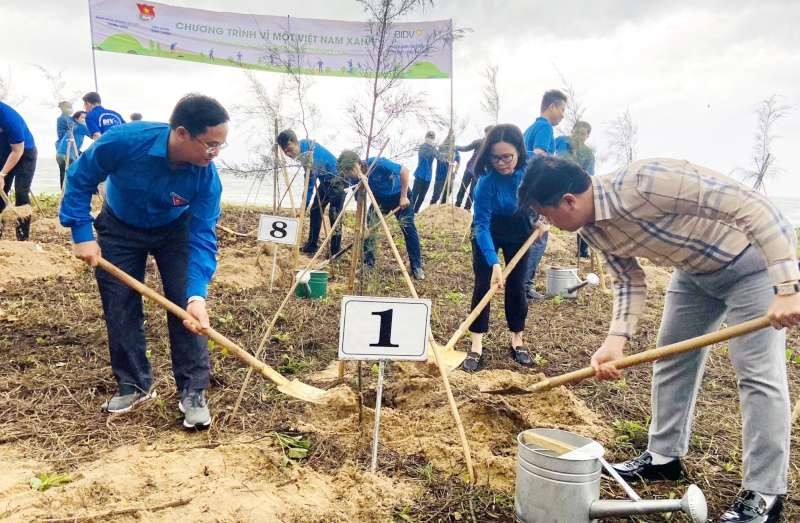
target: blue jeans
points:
(535, 254)
(405, 218)
(697, 304)
(127, 247)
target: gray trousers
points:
(698, 304)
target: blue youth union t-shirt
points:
(100, 120)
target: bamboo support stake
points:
(433, 345)
(262, 345)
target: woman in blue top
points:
(499, 224)
(76, 132)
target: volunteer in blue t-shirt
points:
(388, 181)
(442, 187)
(574, 148)
(98, 118)
(539, 140)
(162, 198)
(17, 164)
(424, 171)
(498, 223)
(68, 147)
(320, 164)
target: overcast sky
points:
(691, 73)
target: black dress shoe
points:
(750, 507)
(642, 468)
(522, 356)
(472, 362)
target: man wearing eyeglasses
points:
(162, 198)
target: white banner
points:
(270, 43)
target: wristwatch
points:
(787, 288)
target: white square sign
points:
(384, 328)
(278, 229)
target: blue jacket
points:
(144, 191)
(324, 164)
(442, 167)
(78, 132)
(495, 195)
(384, 180)
(424, 171)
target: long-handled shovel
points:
(642, 357)
(292, 388)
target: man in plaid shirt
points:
(735, 259)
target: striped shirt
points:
(677, 214)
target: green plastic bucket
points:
(317, 285)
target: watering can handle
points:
(659, 353)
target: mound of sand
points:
(24, 261)
(416, 419)
(48, 228)
(444, 216)
(251, 267)
(236, 482)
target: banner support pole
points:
(91, 32)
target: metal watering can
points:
(564, 281)
(558, 481)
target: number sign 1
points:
(383, 328)
(278, 229)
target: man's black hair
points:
(507, 133)
(91, 98)
(547, 179)
(286, 136)
(135, 117)
(551, 97)
(196, 112)
(77, 114)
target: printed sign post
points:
(278, 229)
(383, 329)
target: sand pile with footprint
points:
(26, 261)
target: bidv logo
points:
(409, 33)
(109, 120)
(146, 12)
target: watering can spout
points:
(693, 504)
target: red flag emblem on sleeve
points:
(146, 12)
(178, 200)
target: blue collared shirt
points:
(384, 180)
(63, 123)
(582, 155)
(100, 120)
(324, 164)
(13, 129)
(495, 195)
(145, 191)
(540, 136)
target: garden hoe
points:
(642, 357)
(292, 388)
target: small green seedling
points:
(44, 481)
(293, 447)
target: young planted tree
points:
(56, 86)
(768, 112)
(574, 110)
(623, 134)
(491, 96)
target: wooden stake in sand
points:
(433, 345)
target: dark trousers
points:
(20, 177)
(333, 197)
(516, 303)
(405, 218)
(468, 188)
(439, 194)
(61, 160)
(418, 192)
(535, 254)
(583, 247)
(127, 247)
